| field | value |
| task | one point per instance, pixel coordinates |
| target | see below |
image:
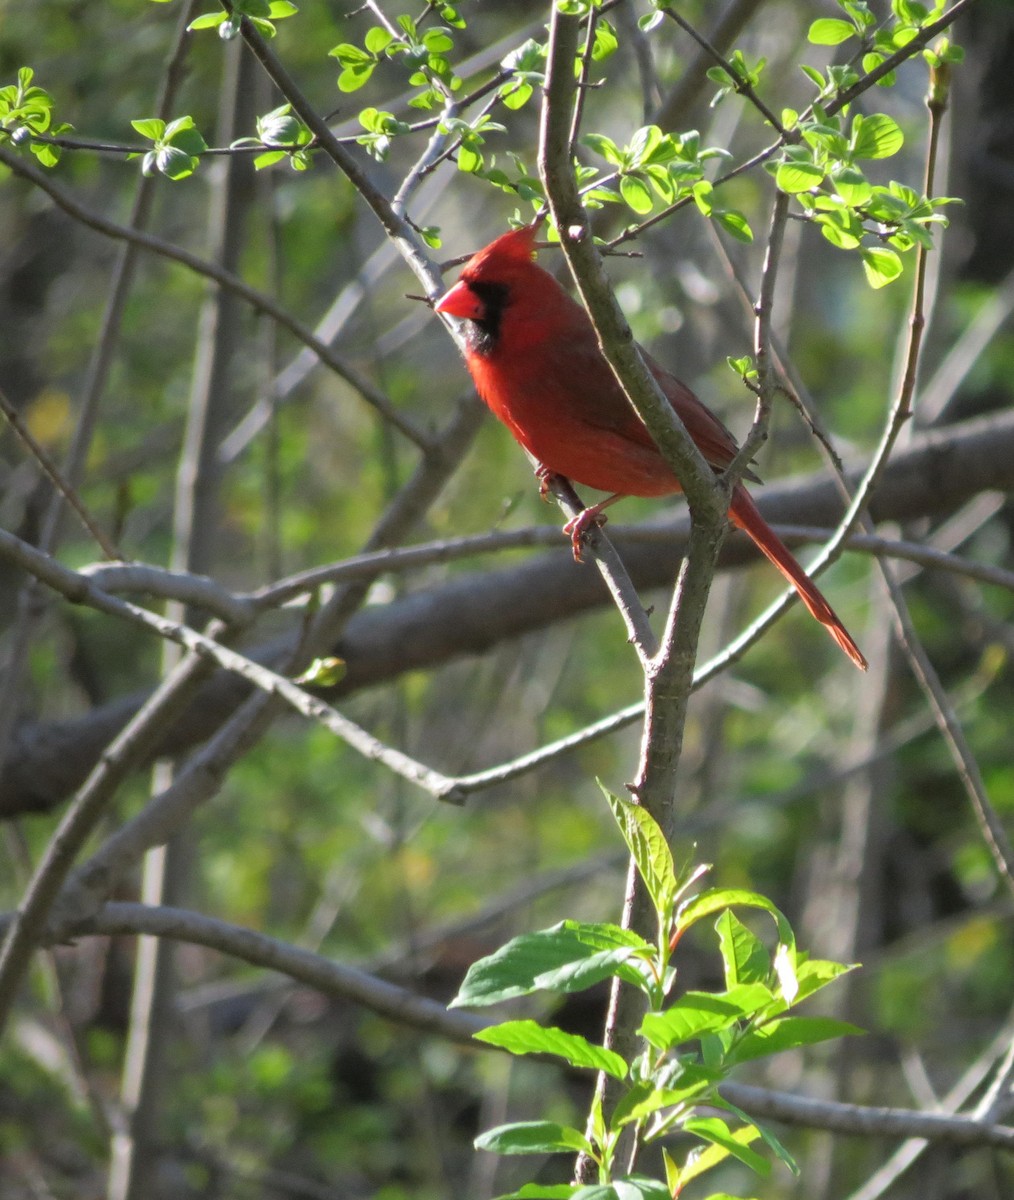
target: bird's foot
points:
(545, 477)
(578, 527)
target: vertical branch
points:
(31, 604)
(146, 1071)
(669, 672)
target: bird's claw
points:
(544, 475)
(578, 528)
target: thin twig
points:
(260, 301)
(55, 477)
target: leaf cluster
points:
(691, 1041)
(26, 111)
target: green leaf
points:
(702, 197)
(744, 955)
(693, 1014)
(606, 147)
(606, 42)
(792, 176)
(842, 228)
(714, 1154)
(529, 1037)
(882, 266)
(188, 139)
(278, 10)
(377, 39)
(715, 1130)
(438, 40)
(735, 223)
(876, 136)
(353, 78)
(636, 193)
(645, 839)
(829, 31)
(175, 163)
(788, 1033)
(769, 1138)
(532, 1137)
(547, 959)
(812, 974)
(643, 1099)
(715, 899)
(634, 1187)
(852, 185)
(542, 1191)
(209, 20)
(516, 95)
(151, 128)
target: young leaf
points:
(734, 223)
(713, 1154)
(744, 955)
(770, 1140)
(688, 1017)
(882, 266)
(151, 128)
(529, 1037)
(829, 31)
(715, 899)
(715, 1130)
(876, 136)
(532, 1137)
(792, 177)
(636, 193)
(788, 1033)
(648, 848)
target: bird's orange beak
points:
(462, 302)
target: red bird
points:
(533, 354)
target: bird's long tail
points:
(745, 514)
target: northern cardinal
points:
(532, 352)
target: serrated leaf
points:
(532, 1137)
(830, 31)
(876, 136)
(643, 1100)
(693, 1014)
(533, 961)
(646, 843)
(789, 1033)
(812, 974)
(744, 955)
(529, 1037)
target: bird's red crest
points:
(517, 246)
